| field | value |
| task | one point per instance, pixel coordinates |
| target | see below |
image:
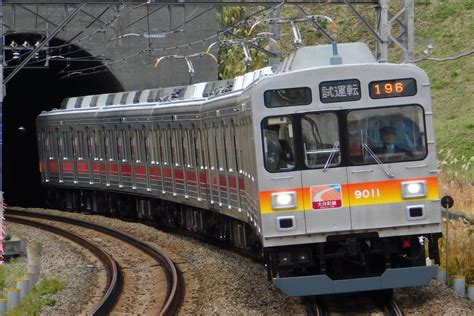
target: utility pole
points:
(275, 30)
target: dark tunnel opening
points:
(39, 87)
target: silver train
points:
(325, 166)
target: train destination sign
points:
(339, 91)
(392, 88)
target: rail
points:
(114, 273)
(176, 287)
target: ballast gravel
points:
(221, 282)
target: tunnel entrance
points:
(41, 86)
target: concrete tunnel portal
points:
(40, 86)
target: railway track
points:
(368, 304)
(117, 283)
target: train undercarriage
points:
(214, 227)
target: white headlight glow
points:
(414, 189)
(283, 200)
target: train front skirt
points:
(322, 284)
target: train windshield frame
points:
(391, 134)
(342, 138)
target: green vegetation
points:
(9, 272)
(448, 24)
(39, 297)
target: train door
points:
(326, 202)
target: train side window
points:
(192, 148)
(149, 150)
(218, 135)
(107, 146)
(134, 149)
(278, 144)
(204, 146)
(212, 148)
(174, 147)
(233, 135)
(95, 144)
(74, 144)
(229, 147)
(170, 145)
(50, 145)
(79, 144)
(90, 143)
(238, 145)
(68, 146)
(157, 146)
(120, 145)
(287, 97)
(128, 144)
(164, 147)
(197, 153)
(142, 145)
(186, 149)
(321, 142)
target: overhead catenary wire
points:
(446, 58)
(187, 45)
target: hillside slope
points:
(450, 24)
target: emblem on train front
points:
(326, 196)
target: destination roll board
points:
(392, 88)
(339, 91)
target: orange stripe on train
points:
(353, 194)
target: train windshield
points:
(392, 134)
(320, 133)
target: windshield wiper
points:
(379, 162)
(331, 156)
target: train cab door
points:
(326, 203)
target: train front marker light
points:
(283, 200)
(414, 189)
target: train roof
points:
(203, 90)
(303, 58)
(320, 56)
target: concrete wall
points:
(136, 72)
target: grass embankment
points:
(40, 296)
(450, 25)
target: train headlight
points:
(414, 189)
(283, 200)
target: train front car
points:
(346, 172)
